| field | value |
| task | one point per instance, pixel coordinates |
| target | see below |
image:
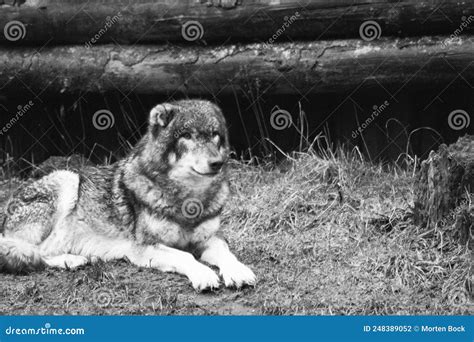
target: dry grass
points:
(329, 234)
(335, 235)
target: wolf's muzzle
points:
(216, 165)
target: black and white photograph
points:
(236, 157)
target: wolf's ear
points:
(162, 114)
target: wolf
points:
(158, 207)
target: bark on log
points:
(149, 21)
(445, 186)
(290, 68)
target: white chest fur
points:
(173, 235)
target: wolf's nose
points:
(215, 166)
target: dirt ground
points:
(330, 235)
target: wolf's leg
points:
(159, 256)
(18, 256)
(68, 261)
(169, 259)
(216, 252)
(35, 211)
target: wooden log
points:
(290, 68)
(150, 21)
(445, 187)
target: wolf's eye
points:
(216, 137)
(186, 135)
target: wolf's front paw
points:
(202, 278)
(67, 261)
(237, 274)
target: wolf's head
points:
(188, 142)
